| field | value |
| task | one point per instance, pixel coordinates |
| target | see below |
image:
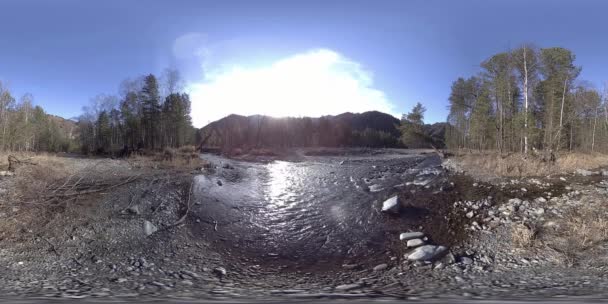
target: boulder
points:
(380, 267)
(219, 271)
(149, 228)
(414, 243)
(426, 253)
(406, 236)
(391, 205)
(133, 209)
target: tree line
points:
(25, 127)
(146, 115)
(528, 99)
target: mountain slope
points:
(368, 129)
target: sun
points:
(314, 83)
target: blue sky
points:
(65, 52)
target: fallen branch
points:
(50, 244)
(183, 218)
(83, 192)
(12, 161)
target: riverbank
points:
(311, 229)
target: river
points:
(320, 211)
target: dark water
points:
(318, 210)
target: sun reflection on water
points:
(281, 179)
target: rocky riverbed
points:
(313, 229)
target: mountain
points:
(368, 129)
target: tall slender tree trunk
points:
(561, 116)
(525, 103)
(593, 134)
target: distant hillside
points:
(369, 129)
(67, 127)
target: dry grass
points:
(523, 236)
(517, 165)
(575, 236)
(178, 159)
(584, 228)
(573, 161)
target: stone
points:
(149, 228)
(515, 201)
(219, 182)
(406, 236)
(391, 205)
(466, 260)
(584, 172)
(414, 243)
(380, 267)
(604, 172)
(191, 274)
(219, 271)
(541, 200)
(134, 210)
(350, 266)
(6, 173)
(375, 188)
(143, 263)
(470, 214)
(347, 287)
(450, 258)
(426, 253)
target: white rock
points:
(515, 201)
(541, 200)
(391, 205)
(375, 188)
(149, 228)
(584, 172)
(562, 179)
(414, 243)
(470, 214)
(347, 287)
(380, 267)
(6, 173)
(426, 253)
(406, 236)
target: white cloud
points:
(314, 83)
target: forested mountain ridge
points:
(368, 129)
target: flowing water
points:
(318, 210)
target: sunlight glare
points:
(315, 83)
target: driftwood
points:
(13, 162)
(183, 218)
(96, 188)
